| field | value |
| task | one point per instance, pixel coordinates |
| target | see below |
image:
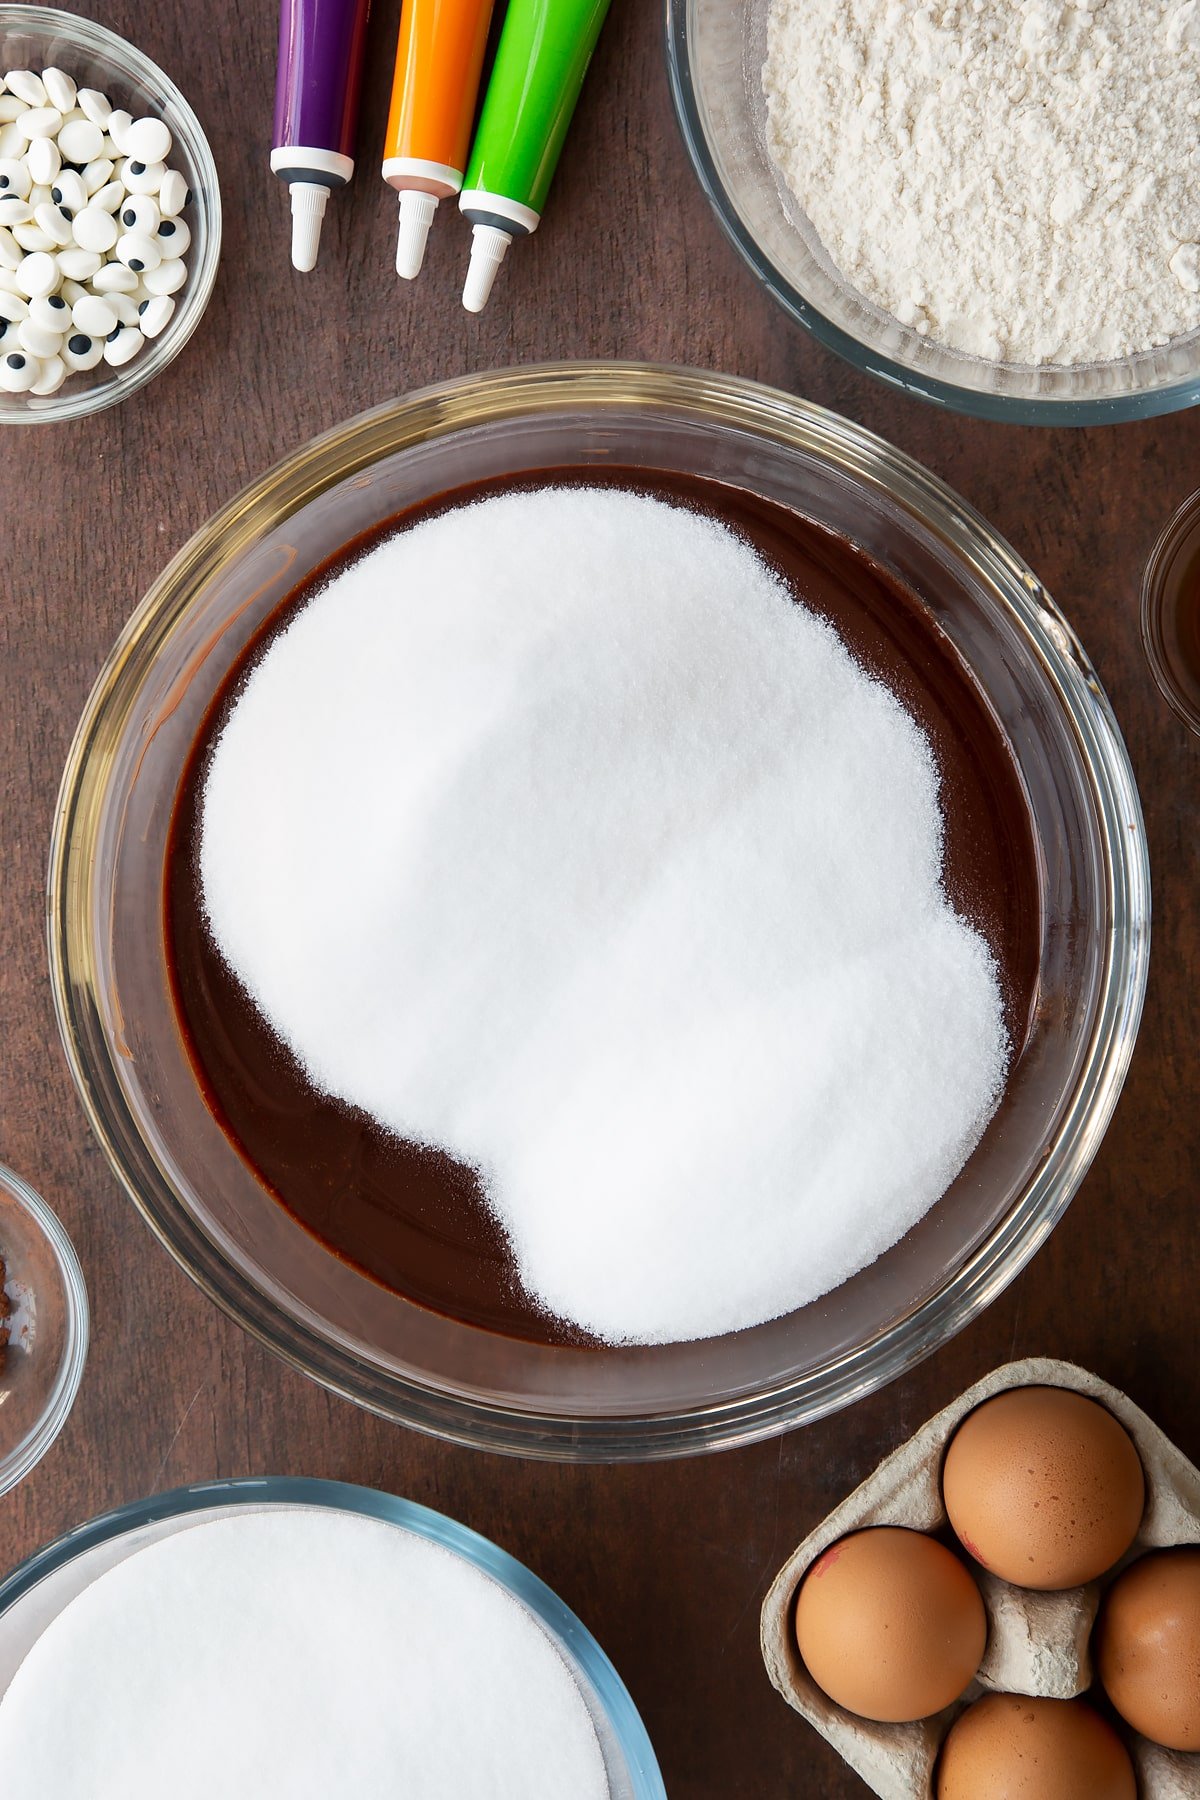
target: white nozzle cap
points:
(308, 209)
(416, 216)
(489, 247)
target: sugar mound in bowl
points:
(555, 834)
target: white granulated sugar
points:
(555, 834)
(1018, 179)
(295, 1652)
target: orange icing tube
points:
(439, 60)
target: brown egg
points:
(890, 1624)
(1008, 1747)
(1043, 1487)
(1148, 1648)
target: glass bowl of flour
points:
(994, 208)
(638, 1113)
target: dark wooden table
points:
(667, 1565)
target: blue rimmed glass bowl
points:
(715, 54)
(40, 1588)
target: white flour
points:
(1018, 179)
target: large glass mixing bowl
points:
(715, 56)
(107, 933)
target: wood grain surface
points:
(667, 1565)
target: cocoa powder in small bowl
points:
(43, 1328)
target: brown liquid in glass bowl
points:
(412, 1218)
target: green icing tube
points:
(544, 52)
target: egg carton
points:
(1038, 1643)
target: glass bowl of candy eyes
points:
(715, 57)
(34, 38)
(44, 1328)
(421, 1366)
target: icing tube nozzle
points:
(544, 50)
(489, 247)
(309, 199)
(439, 60)
(321, 49)
(416, 216)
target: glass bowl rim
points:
(1005, 408)
(82, 403)
(25, 1455)
(344, 451)
(564, 1626)
(1183, 523)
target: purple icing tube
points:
(321, 44)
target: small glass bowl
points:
(715, 55)
(108, 953)
(39, 37)
(33, 1595)
(1174, 562)
(48, 1329)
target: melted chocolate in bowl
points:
(415, 1220)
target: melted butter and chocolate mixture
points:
(412, 1218)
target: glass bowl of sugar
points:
(543, 1711)
(491, 1380)
(92, 57)
(980, 219)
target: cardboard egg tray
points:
(1038, 1643)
